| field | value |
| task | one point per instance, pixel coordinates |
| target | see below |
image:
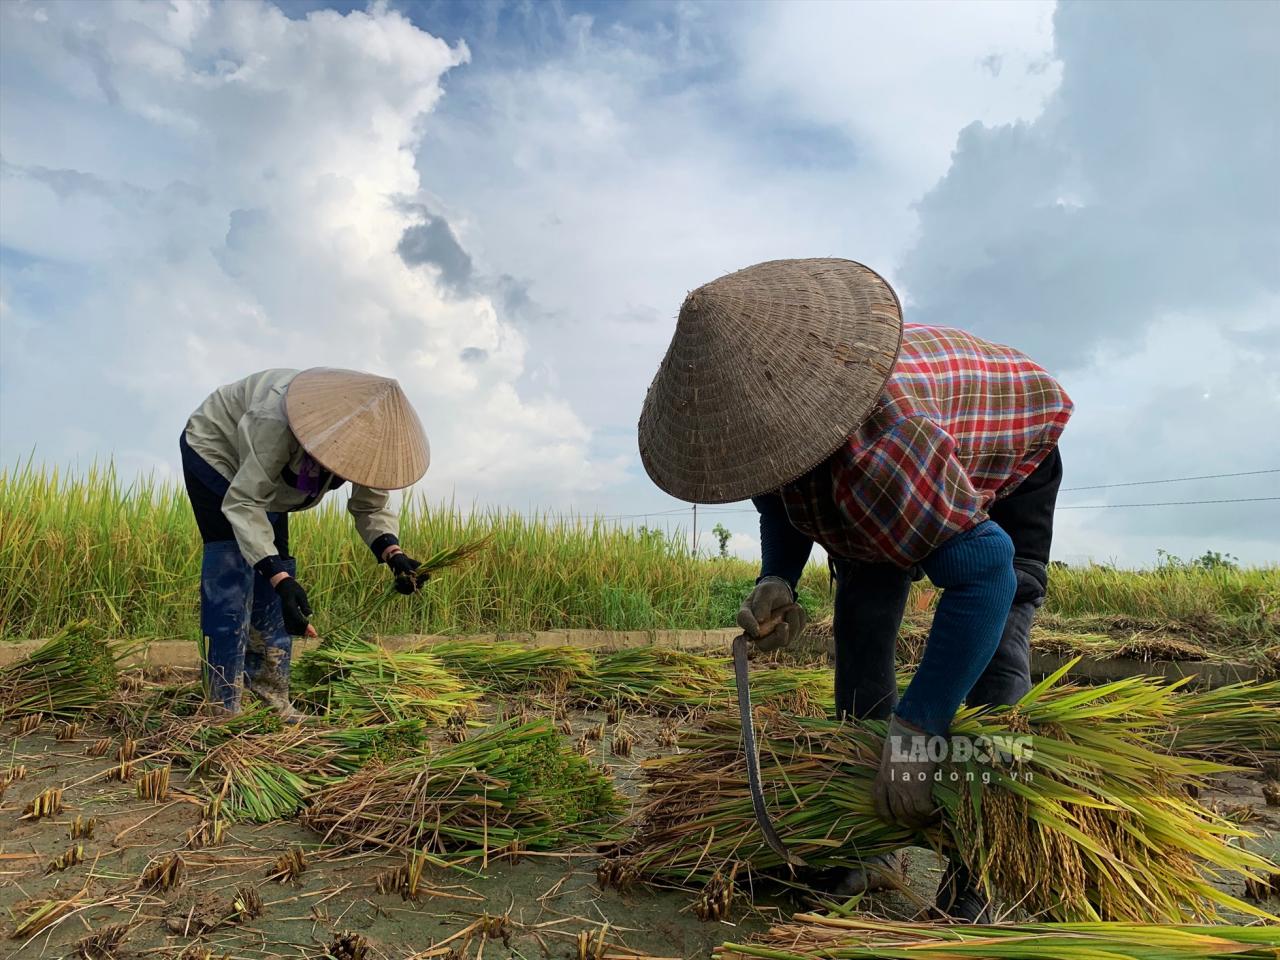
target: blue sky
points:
(503, 204)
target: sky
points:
(503, 204)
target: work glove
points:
(903, 790)
(294, 606)
(405, 569)
(764, 603)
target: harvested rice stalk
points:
(43, 915)
(622, 742)
(405, 879)
(16, 772)
(163, 873)
(267, 776)
(153, 786)
(1089, 821)
(806, 693)
(1236, 723)
(103, 944)
(69, 730)
(246, 905)
(811, 937)
(615, 712)
(29, 724)
(507, 783)
(121, 772)
(290, 865)
(654, 679)
(82, 828)
(359, 682)
(508, 667)
(47, 803)
(1271, 793)
(669, 735)
(72, 856)
(67, 675)
(128, 750)
(1268, 886)
(595, 732)
(717, 897)
(347, 946)
(99, 748)
(448, 557)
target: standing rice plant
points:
(358, 682)
(514, 786)
(1080, 815)
(69, 674)
(812, 937)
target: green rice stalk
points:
(508, 667)
(811, 937)
(265, 771)
(513, 786)
(67, 675)
(359, 682)
(1236, 723)
(654, 679)
(1087, 819)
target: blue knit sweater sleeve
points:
(784, 550)
(975, 573)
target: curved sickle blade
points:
(753, 755)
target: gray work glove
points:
(762, 604)
(903, 790)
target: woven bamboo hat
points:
(770, 369)
(361, 427)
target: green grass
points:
(126, 557)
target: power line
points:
(1166, 503)
(1143, 483)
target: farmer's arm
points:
(377, 524)
(264, 445)
(784, 550)
(910, 496)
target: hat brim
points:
(360, 426)
(770, 369)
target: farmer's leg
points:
(870, 600)
(226, 583)
(270, 648)
(1026, 515)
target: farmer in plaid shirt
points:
(904, 451)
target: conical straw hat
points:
(769, 371)
(361, 427)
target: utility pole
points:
(695, 529)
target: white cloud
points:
(257, 228)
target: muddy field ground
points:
(547, 906)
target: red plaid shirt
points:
(960, 422)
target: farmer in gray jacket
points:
(259, 449)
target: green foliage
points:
(722, 536)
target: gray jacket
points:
(242, 432)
